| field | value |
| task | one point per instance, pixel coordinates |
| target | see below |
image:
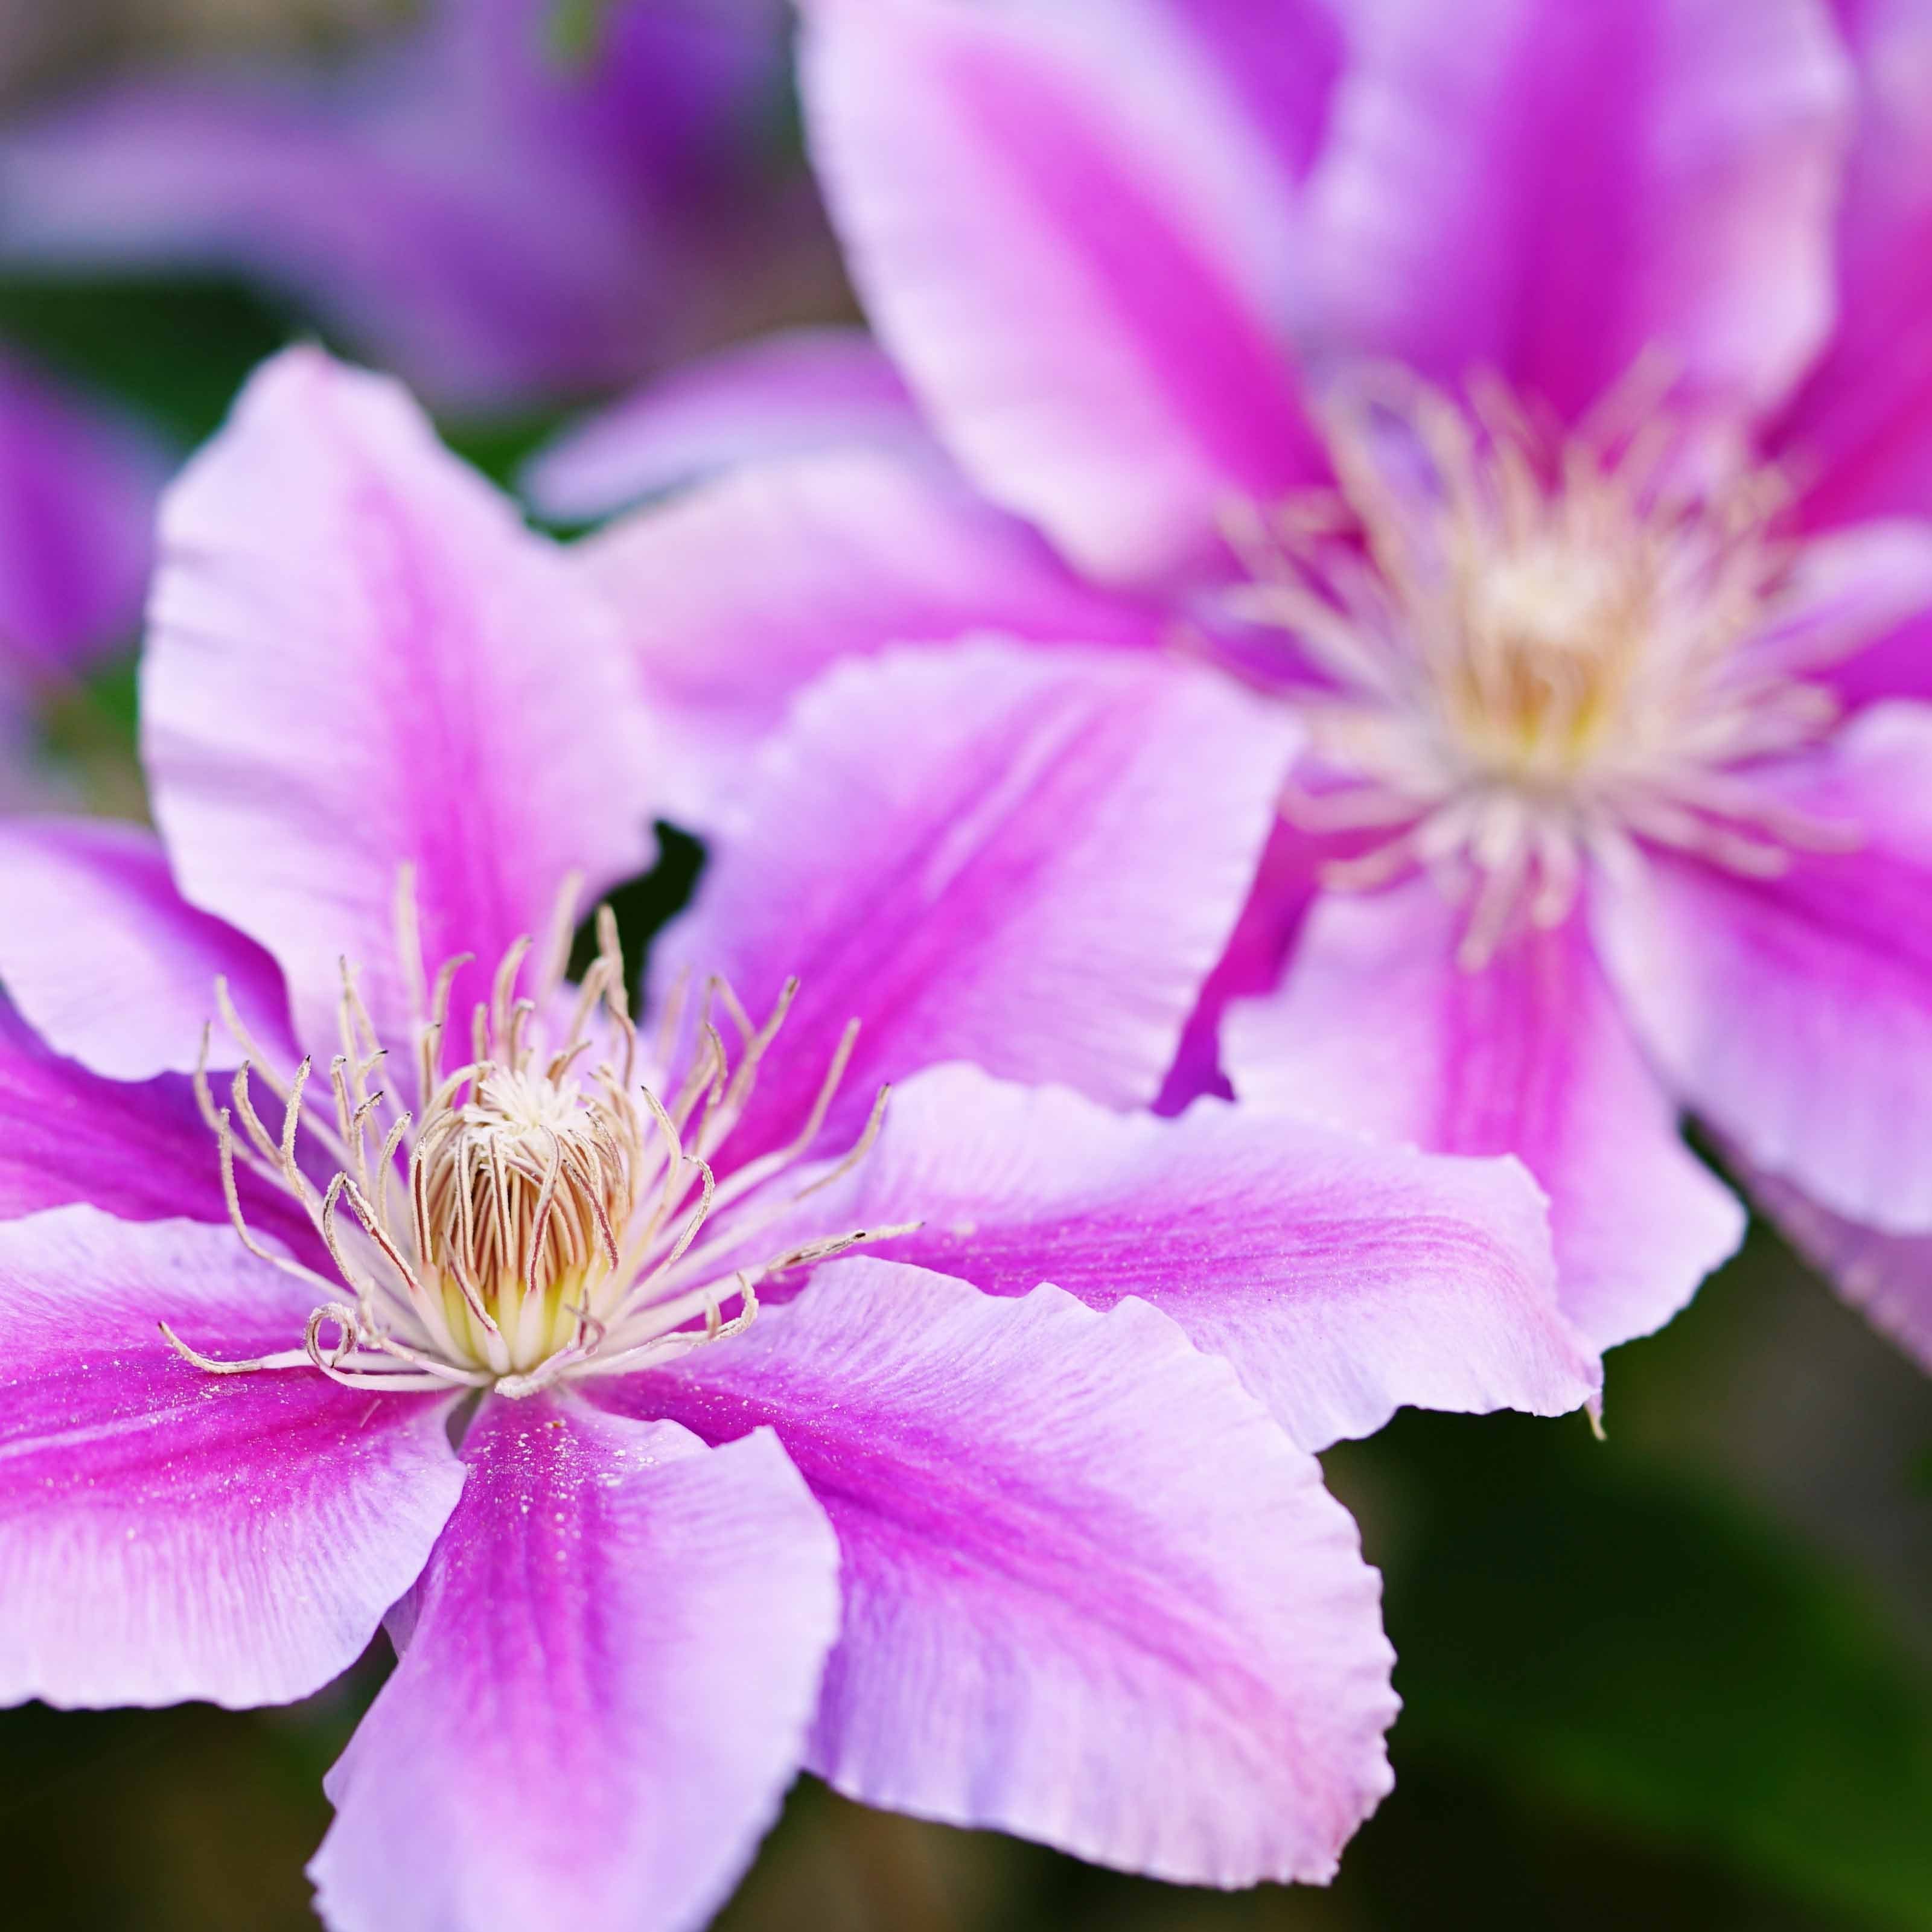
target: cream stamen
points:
(550, 1204)
(1545, 648)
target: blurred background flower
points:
(77, 490)
(1680, 1679)
(507, 201)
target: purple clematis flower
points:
(543, 1337)
(77, 491)
(502, 219)
(1467, 378)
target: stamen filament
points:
(550, 1205)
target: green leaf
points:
(175, 350)
(1631, 1643)
(643, 905)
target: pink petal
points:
(168, 1533)
(1868, 585)
(1377, 1028)
(1054, 232)
(1279, 59)
(92, 915)
(140, 1150)
(1795, 1013)
(964, 850)
(1342, 1278)
(1888, 1276)
(1092, 1595)
(606, 1686)
(801, 390)
(1286, 885)
(77, 490)
(1548, 190)
(360, 659)
(740, 592)
(1859, 433)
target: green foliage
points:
(175, 350)
(643, 904)
(1630, 1644)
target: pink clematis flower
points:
(502, 219)
(531, 1332)
(1466, 378)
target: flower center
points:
(1539, 647)
(539, 1214)
(1537, 692)
(522, 1189)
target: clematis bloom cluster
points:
(424, 1287)
(503, 217)
(1528, 399)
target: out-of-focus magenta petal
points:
(1795, 1013)
(1038, 244)
(139, 1149)
(1549, 191)
(166, 1533)
(1025, 858)
(1858, 436)
(803, 390)
(1341, 1276)
(608, 1677)
(1377, 1028)
(740, 592)
(361, 658)
(1279, 59)
(109, 965)
(1855, 613)
(1092, 1594)
(1284, 885)
(77, 490)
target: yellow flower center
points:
(1541, 646)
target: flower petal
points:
(1795, 1013)
(92, 913)
(77, 491)
(360, 659)
(1086, 325)
(1867, 586)
(739, 591)
(168, 1533)
(1860, 431)
(620, 1637)
(1376, 1027)
(1286, 885)
(800, 390)
(1887, 1276)
(139, 1149)
(1092, 1595)
(958, 848)
(1549, 190)
(1342, 1278)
